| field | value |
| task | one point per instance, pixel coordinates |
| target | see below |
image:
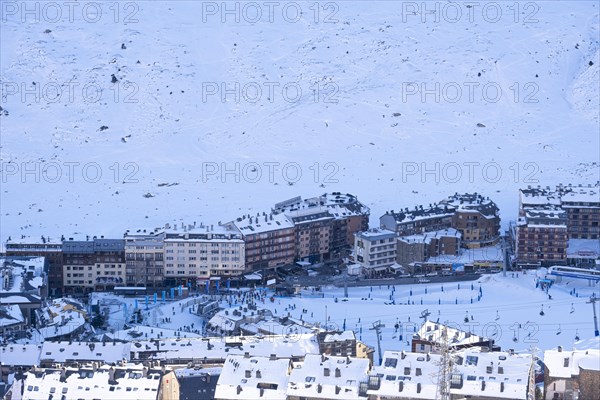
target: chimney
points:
(326, 371)
(338, 373)
(248, 373)
(337, 389)
(258, 374)
(238, 389)
(319, 388)
(560, 349)
(273, 357)
(246, 355)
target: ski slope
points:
(507, 311)
(392, 109)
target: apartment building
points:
(476, 218)
(421, 247)
(582, 205)
(144, 258)
(375, 250)
(89, 265)
(269, 240)
(325, 225)
(313, 233)
(558, 224)
(202, 253)
(419, 220)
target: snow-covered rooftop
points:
(497, 375)
(249, 225)
(21, 274)
(60, 317)
(339, 337)
(432, 332)
(376, 234)
(565, 364)
(285, 346)
(340, 205)
(203, 233)
(410, 375)
(10, 315)
(64, 351)
(251, 378)
(131, 382)
(427, 237)
(328, 377)
(20, 354)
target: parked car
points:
(480, 271)
(423, 280)
(420, 276)
(404, 276)
(432, 274)
(447, 273)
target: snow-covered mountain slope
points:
(396, 110)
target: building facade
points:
(375, 250)
(550, 220)
(269, 240)
(203, 253)
(476, 218)
(144, 258)
(419, 248)
(89, 265)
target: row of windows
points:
(169, 244)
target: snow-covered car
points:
(432, 274)
(423, 280)
(447, 273)
(404, 276)
(420, 276)
(480, 271)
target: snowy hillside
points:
(513, 90)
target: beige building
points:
(211, 251)
(375, 250)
